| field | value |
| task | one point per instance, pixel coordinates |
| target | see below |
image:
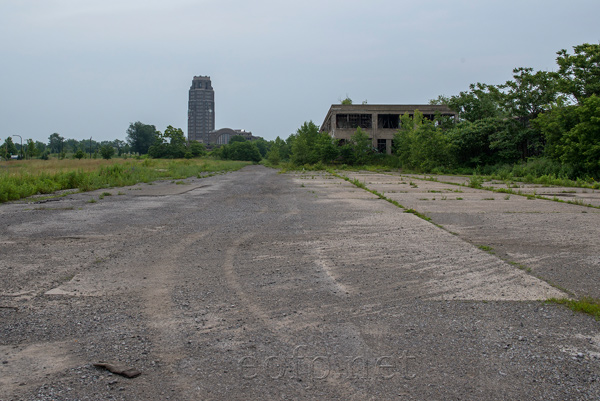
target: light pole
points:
(21, 144)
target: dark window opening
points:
(353, 121)
(388, 121)
(381, 145)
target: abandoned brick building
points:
(380, 122)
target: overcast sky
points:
(88, 68)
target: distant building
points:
(223, 135)
(201, 116)
(380, 122)
(201, 110)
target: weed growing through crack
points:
(520, 266)
(486, 248)
(588, 305)
(476, 181)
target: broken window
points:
(353, 121)
(381, 145)
(388, 121)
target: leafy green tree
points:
(273, 156)
(120, 145)
(420, 144)
(70, 145)
(327, 148)
(107, 152)
(177, 142)
(362, 146)
(347, 153)
(481, 101)
(3, 153)
(197, 149)
(580, 72)
(237, 138)
(284, 148)
(40, 146)
(159, 148)
(347, 100)
(80, 154)
(303, 149)
(171, 144)
(245, 151)
(55, 142)
(573, 134)
(10, 147)
(262, 145)
(31, 149)
(529, 93)
(141, 136)
(302, 153)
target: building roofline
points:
(391, 108)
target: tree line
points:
(60, 147)
(539, 122)
(547, 121)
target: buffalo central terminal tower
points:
(201, 110)
(201, 116)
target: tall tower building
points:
(201, 110)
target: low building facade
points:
(379, 121)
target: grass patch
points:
(588, 305)
(24, 178)
(476, 182)
(486, 248)
(54, 208)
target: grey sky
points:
(89, 68)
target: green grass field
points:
(23, 178)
